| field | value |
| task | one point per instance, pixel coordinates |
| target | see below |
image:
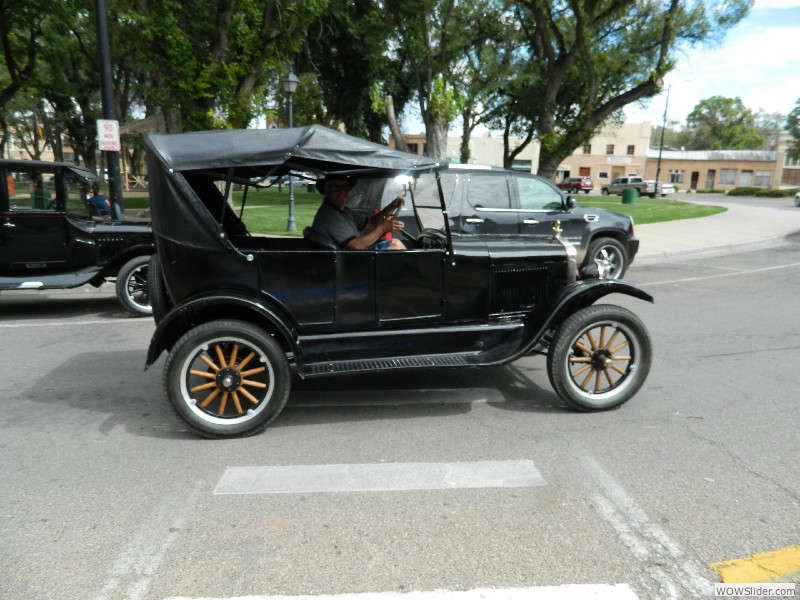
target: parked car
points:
(247, 307)
(486, 201)
(49, 240)
(576, 184)
(662, 187)
(620, 184)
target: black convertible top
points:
(187, 208)
(314, 147)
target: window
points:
(746, 178)
(535, 194)
(76, 190)
(763, 178)
(488, 191)
(727, 176)
(31, 190)
(790, 162)
(603, 175)
(585, 171)
(675, 176)
(630, 150)
(587, 149)
(521, 165)
(610, 149)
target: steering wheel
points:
(432, 238)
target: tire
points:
(160, 301)
(604, 191)
(132, 290)
(210, 391)
(599, 358)
(609, 254)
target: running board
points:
(385, 364)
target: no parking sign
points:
(108, 135)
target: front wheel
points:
(227, 379)
(599, 358)
(604, 191)
(132, 290)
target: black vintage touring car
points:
(245, 308)
(52, 238)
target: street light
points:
(290, 86)
(661, 144)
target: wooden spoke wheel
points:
(599, 358)
(227, 379)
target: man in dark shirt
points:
(344, 226)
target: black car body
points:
(50, 240)
(484, 201)
(246, 307)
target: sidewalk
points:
(736, 228)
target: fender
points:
(208, 307)
(575, 297)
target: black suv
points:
(49, 238)
(246, 308)
(487, 201)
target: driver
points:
(346, 228)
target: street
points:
(105, 494)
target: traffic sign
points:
(108, 135)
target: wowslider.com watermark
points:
(755, 590)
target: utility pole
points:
(109, 113)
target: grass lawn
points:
(651, 210)
(268, 209)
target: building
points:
(713, 169)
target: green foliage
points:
(773, 193)
(743, 191)
(793, 127)
(719, 123)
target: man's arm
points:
(365, 240)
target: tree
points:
(719, 123)
(587, 59)
(793, 127)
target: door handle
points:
(7, 224)
(474, 220)
(530, 222)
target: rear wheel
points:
(599, 358)
(132, 290)
(227, 379)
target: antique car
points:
(491, 201)
(245, 311)
(52, 238)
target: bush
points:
(743, 191)
(771, 193)
(711, 191)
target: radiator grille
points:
(517, 288)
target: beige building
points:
(614, 152)
(713, 169)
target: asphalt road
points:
(104, 494)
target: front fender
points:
(575, 297)
(210, 307)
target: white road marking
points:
(73, 323)
(144, 552)
(378, 477)
(720, 275)
(665, 561)
(560, 592)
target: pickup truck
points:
(643, 188)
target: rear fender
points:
(202, 309)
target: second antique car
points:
(52, 238)
(245, 311)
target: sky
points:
(757, 61)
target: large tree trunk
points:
(436, 139)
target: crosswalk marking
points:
(560, 592)
(378, 477)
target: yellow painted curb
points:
(760, 567)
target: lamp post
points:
(661, 144)
(290, 86)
